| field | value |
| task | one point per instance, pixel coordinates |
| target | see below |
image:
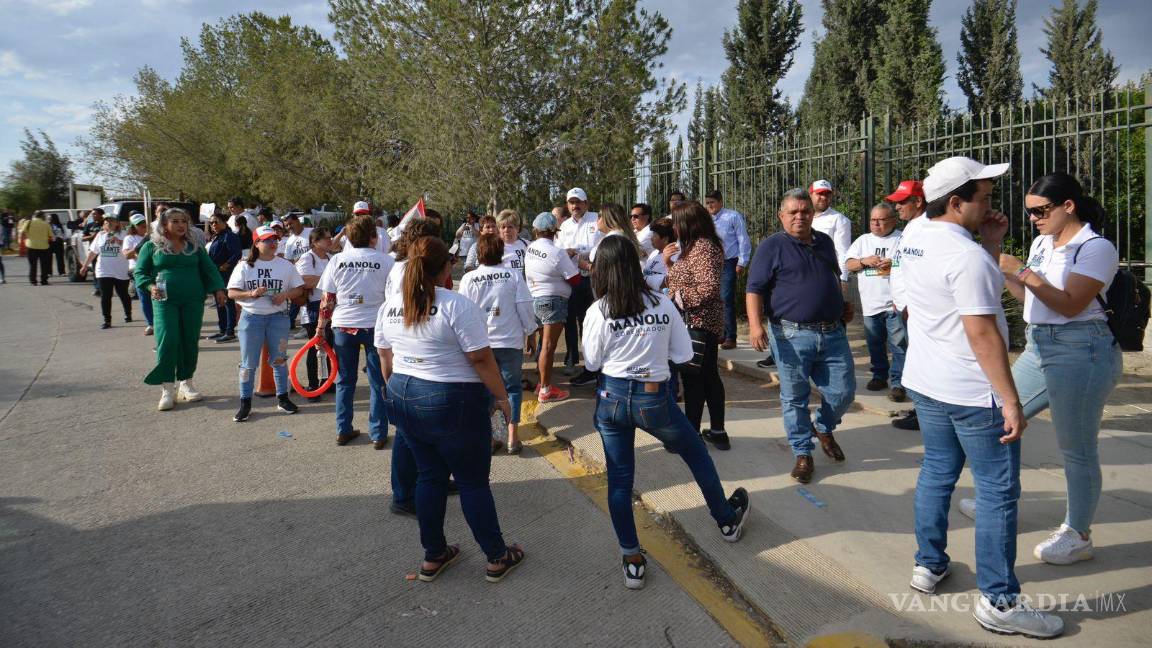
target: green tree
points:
(989, 58)
(909, 78)
(844, 68)
(1081, 66)
(760, 52)
(663, 171)
(38, 180)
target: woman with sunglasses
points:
(1071, 362)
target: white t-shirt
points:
(948, 275)
(514, 255)
(1097, 259)
(358, 276)
(896, 280)
(503, 296)
(311, 265)
(295, 245)
(875, 289)
(592, 253)
(395, 279)
(383, 240)
(277, 275)
(582, 236)
(110, 260)
(548, 268)
(644, 236)
(655, 272)
(131, 242)
(836, 225)
(639, 347)
(435, 349)
(252, 222)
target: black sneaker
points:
(876, 384)
(106, 325)
(585, 378)
(908, 422)
(214, 336)
(898, 394)
(284, 404)
(733, 529)
(767, 363)
(718, 438)
(127, 319)
(634, 573)
(245, 410)
(403, 510)
(227, 337)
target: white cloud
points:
(11, 65)
(63, 7)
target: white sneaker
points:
(968, 508)
(188, 393)
(924, 580)
(1064, 547)
(301, 334)
(1021, 619)
(148, 330)
(634, 574)
(167, 397)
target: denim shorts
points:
(550, 309)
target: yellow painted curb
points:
(847, 640)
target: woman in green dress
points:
(174, 267)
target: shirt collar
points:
(953, 227)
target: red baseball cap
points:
(906, 189)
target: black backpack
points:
(1127, 306)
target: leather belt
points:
(823, 327)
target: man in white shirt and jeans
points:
(733, 234)
(870, 257)
(579, 236)
(958, 375)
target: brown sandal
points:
(509, 561)
(450, 555)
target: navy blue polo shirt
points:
(800, 282)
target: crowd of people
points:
(645, 304)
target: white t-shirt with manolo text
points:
(1096, 258)
(358, 276)
(636, 347)
(547, 268)
(110, 260)
(131, 242)
(580, 236)
(507, 304)
(837, 226)
(655, 272)
(874, 283)
(435, 349)
(277, 275)
(949, 275)
(896, 280)
(311, 265)
(644, 236)
(297, 244)
(514, 255)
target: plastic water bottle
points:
(161, 289)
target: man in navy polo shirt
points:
(797, 273)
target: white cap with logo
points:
(953, 172)
(361, 208)
(578, 193)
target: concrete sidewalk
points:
(124, 526)
(836, 555)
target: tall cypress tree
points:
(844, 68)
(909, 65)
(989, 59)
(1080, 64)
(760, 52)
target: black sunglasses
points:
(1040, 212)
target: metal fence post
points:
(1147, 180)
(702, 176)
(867, 186)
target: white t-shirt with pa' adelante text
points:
(875, 286)
(358, 276)
(110, 260)
(503, 296)
(277, 276)
(948, 275)
(514, 255)
(296, 245)
(1096, 258)
(637, 347)
(548, 268)
(434, 350)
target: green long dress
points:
(177, 320)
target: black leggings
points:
(312, 358)
(705, 386)
(107, 284)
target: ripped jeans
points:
(254, 331)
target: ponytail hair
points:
(1059, 187)
(253, 255)
(427, 257)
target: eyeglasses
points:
(1040, 212)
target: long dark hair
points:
(427, 256)
(692, 223)
(417, 229)
(1059, 187)
(318, 233)
(243, 231)
(619, 281)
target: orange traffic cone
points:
(266, 384)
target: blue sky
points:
(59, 56)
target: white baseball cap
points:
(820, 186)
(577, 192)
(361, 208)
(953, 172)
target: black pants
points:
(56, 247)
(41, 259)
(312, 359)
(578, 305)
(706, 386)
(107, 285)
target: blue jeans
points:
(728, 294)
(623, 405)
(348, 355)
(953, 434)
(145, 304)
(511, 363)
(445, 426)
(804, 356)
(254, 332)
(882, 329)
(1071, 368)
